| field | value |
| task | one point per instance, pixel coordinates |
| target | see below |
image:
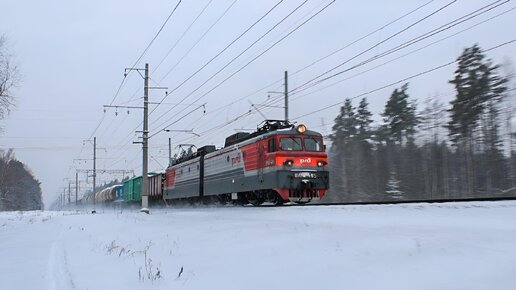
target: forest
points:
(463, 149)
(19, 190)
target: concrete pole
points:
(94, 172)
(286, 96)
(76, 187)
(169, 151)
(145, 178)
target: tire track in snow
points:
(58, 274)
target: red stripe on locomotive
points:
(171, 177)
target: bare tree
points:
(8, 78)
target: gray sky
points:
(72, 56)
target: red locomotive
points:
(279, 162)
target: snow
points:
(417, 246)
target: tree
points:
(365, 163)
(400, 115)
(508, 103)
(18, 188)
(364, 120)
(8, 79)
(353, 164)
(479, 89)
(476, 83)
(345, 128)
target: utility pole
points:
(76, 187)
(286, 96)
(145, 142)
(94, 171)
(145, 137)
(69, 192)
(169, 151)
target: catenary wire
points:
(400, 81)
(497, 3)
(269, 48)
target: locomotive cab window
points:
(272, 145)
(313, 144)
(290, 144)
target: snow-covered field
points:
(417, 246)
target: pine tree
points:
(474, 111)
(400, 115)
(364, 120)
(344, 130)
(474, 86)
(363, 153)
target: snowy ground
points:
(417, 246)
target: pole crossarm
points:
(112, 171)
(123, 107)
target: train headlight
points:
(288, 162)
(301, 128)
(321, 163)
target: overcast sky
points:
(72, 56)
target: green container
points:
(133, 189)
(127, 189)
(137, 188)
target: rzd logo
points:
(305, 161)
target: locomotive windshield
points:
(291, 144)
(312, 144)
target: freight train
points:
(277, 163)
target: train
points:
(278, 163)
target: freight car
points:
(279, 162)
(133, 188)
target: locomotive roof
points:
(291, 131)
(268, 128)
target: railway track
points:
(440, 200)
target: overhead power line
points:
(198, 40)
(236, 57)
(182, 35)
(270, 47)
(361, 38)
(459, 20)
(155, 36)
(277, 81)
(220, 52)
(187, 52)
(135, 64)
(401, 80)
(397, 58)
(262, 53)
(211, 60)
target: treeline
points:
(19, 190)
(456, 151)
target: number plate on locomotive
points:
(305, 175)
